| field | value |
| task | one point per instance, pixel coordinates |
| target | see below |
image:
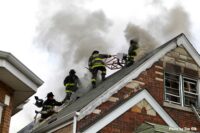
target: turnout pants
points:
(94, 74)
(69, 91)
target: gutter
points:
(21, 67)
(75, 121)
(74, 114)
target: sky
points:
(51, 37)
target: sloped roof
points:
(88, 102)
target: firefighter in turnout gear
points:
(71, 82)
(96, 64)
(48, 106)
(132, 52)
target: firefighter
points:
(71, 82)
(95, 64)
(48, 106)
(132, 52)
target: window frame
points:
(165, 91)
(181, 89)
(197, 91)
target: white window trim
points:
(181, 90)
(166, 92)
(181, 77)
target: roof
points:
(27, 128)
(88, 102)
(17, 76)
(148, 127)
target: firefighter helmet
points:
(95, 52)
(133, 41)
(72, 71)
(50, 94)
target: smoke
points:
(145, 40)
(74, 34)
(164, 26)
(70, 33)
(177, 21)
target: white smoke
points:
(74, 34)
(177, 21)
(168, 24)
(70, 33)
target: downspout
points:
(75, 121)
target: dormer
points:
(181, 79)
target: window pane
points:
(172, 88)
(190, 92)
(173, 99)
(191, 100)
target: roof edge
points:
(21, 67)
(144, 94)
(183, 40)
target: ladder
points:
(196, 112)
(116, 61)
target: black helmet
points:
(133, 41)
(50, 94)
(72, 71)
(95, 52)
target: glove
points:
(36, 98)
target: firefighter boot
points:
(103, 77)
(68, 96)
(93, 85)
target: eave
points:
(18, 77)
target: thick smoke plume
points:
(160, 28)
(145, 40)
(70, 34)
(74, 34)
(177, 21)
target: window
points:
(172, 92)
(181, 90)
(190, 92)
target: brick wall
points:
(7, 110)
(156, 89)
(129, 121)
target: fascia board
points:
(9, 67)
(120, 84)
(189, 48)
(126, 106)
(8, 57)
